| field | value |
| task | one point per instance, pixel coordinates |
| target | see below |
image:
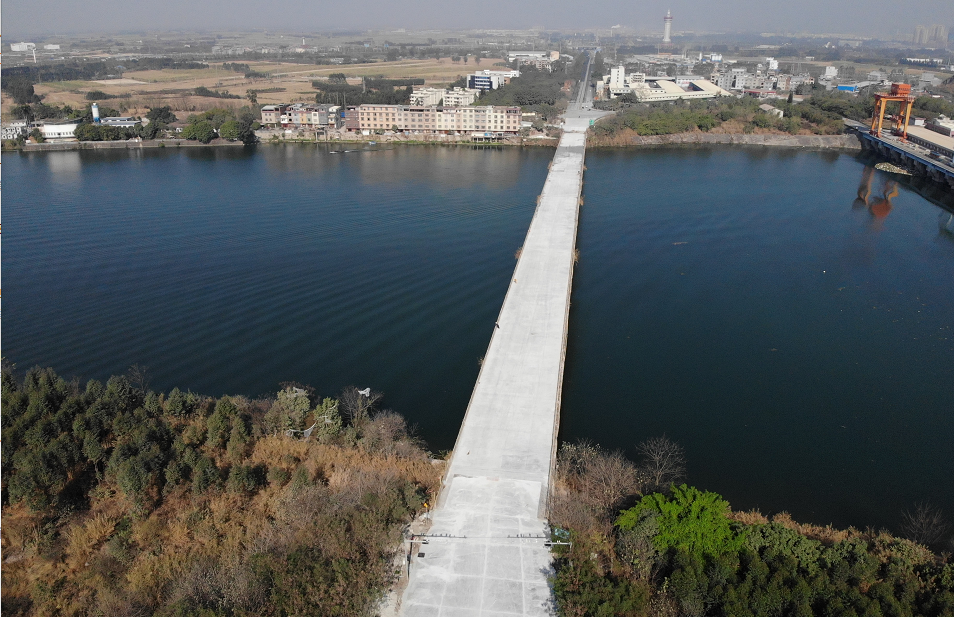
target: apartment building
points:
(457, 97)
(444, 120)
(272, 115)
(300, 115)
(427, 96)
(460, 97)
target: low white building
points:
(660, 88)
(60, 131)
(127, 122)
(51, 47)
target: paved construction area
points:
(485, 553)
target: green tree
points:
(691, 520)
(161, 114)
(37, 136)
(21, 89)
(201, 131)
(229, 130)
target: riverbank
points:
(122, 145)
(202, 498)
(824, 142)
(630, 138)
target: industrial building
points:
(932, 140)
(657, 89)
(59, 131)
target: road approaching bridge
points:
(485, 554)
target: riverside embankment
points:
(125, 145)
(837, 142)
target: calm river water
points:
(796, 341)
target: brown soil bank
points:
(841, 142)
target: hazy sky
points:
(877, 17)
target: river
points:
(796, 340)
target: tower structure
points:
(667, 29)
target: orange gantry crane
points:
(902, 94)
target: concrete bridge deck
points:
(485, 554)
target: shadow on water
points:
(878, 207)
(936, 193)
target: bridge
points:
(487, 552)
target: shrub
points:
(691, 520)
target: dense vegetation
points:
(644, 545)
(820, 115)
(118, 500)
(96, 69)
(337, 91)
(537, 91)
(215, 94)
(227, 123)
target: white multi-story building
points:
(490, 80)
(460, 97)
(831, 72)
(533, 55)
(22, 46)
(423, 97)
(457, 97)
(446, 120)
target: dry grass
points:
(825, 534)
(188, 530)
(82, 538)
(751, 517)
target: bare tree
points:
(139, 377)
(357, 405)
(602, 479)
(663, 463)
(925, 525)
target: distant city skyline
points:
(858, 17)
